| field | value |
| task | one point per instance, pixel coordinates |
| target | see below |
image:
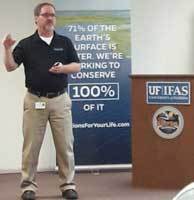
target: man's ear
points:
(35, 19)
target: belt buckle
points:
(50, 94)
(54, 94)
(37, 93)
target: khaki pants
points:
(58, 113)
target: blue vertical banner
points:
(100, 92)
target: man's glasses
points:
(47, 15)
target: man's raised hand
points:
(8, 42)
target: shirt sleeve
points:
(72, 54)
(18, 53)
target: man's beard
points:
(49, 28)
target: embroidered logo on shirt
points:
(58, 49)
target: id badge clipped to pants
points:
(40, 105)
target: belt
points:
(46, 94)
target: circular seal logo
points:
(168, 122)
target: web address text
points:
(102, 125)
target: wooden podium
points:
(159, 162)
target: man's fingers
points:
(55, 69)
(8, 36)
(8, 41)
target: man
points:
(47, 58)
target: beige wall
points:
(162, 37)
(17, 19)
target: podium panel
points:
(159, 162)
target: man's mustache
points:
(49, 21)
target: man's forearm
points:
(71, 68)
(9, 61)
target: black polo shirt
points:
(38, 57)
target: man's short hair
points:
(37, 9)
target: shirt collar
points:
(37, 37)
